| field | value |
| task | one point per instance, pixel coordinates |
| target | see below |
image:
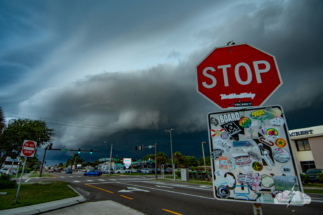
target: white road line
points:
(78, 176)
(169, 191)
(71, 176)
(89, 180)
(28, 180)
(62, 177)
(76, 181)
(101, 180)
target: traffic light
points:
(91, 151)
(79, 151)
(142, 147)
(49, 147)
(136, 148)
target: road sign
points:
(236, 76)
(252, 157)
(64, 149)
(28, 148)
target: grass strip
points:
(313, 191)
(36, 174)
(313, 185)
(31, 194)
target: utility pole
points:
(156, 160)
(203, 156)
(42, 163)
(171, 150)
(110, 160)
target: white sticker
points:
(277, 121)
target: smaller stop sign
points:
(28, 148)
(238, 74)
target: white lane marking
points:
(317, 201)
(184, 186)
(62, 177)
(89, 180)
(131, 189)
(169, 191)
(78, 176)
(101, 180)
(28, 180)
(76, 181)
(164, 186)
(113, 179)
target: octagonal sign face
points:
(239, 75)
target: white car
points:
(146, 171)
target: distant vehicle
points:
(168, 170)
(68, 171)
(158, 170)
(50, 171)
(107, 171)
(4, 170)
(57, 170)
(313, 174)
(93, 173)
(146, 171)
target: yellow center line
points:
(99, 188)
(173, 212)
(126, 197)
(56, 175)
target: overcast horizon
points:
(122, 73)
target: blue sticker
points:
(242, 143)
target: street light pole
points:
(203, 156)
(110, 160)
(171, 150)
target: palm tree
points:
(179, 158)
(161, 158)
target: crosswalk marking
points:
(101, 180)
(89, 180)
(76, 181)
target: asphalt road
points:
(151, 196)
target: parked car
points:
(313, 174)
(51, 171)
(57, 170)
(158, 170)
(68, 171)
(168, 170)
(107, 171)
(4, 170)
(93, 173)
(146, 171)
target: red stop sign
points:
(28, 148)
(238, 74)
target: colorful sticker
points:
(281, 155)
(277, 121)
(257, 166)
(267, 181)
(216, 132)
(265, 154)
(246, 178)
(227, 163)
(243, 161)
(223, 192)
(287, 170)
(266, 141)
(242, 143)
(245, 122)
(251, 133)
(224, 135)
(284, 182)
(281, 143)
(272, 113)
(257, 114)
(232, 128)
(271, 132)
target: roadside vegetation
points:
(36, 174)
(31, 194)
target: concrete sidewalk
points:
(44, 207)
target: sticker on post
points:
(281, 155)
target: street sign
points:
(28, 148)
(251, 155)
(64, 149)
(150, 146)
(238, 76)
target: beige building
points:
(308, 147)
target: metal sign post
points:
(22, 173)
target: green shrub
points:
(5, 177)
(178, 173)
(305, 178)
(4, 184)
(320, 175)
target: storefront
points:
(308, 147)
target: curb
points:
(45, 207)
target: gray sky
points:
(96, 70)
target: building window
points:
(307, 165)
(303, 145)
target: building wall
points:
(301, 156)
(316, 144)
